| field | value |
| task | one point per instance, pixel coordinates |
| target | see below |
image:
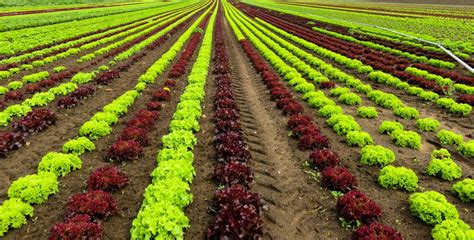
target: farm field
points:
(223, 119)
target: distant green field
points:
(41, 4)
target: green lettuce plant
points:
(350, 99)
(107, 117)
(59, 164)
(13, 213)
(407, 112)
(78, 146)
(408, 139)
(376, 155)
(398, 178)
(367, 112)
(95, 129)
(387, 127)
(466, 148)
(172, 190)
(14, 85)
(170, 224)
(330, 110)
(358, 138)
(35, 188)
(464, 190)
(427, 124)
(454, 229)
(179, 138)
(447, 137)
(432, 207)
(444, 167)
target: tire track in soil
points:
(296, 208)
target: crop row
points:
(238, 211)
(161, 213)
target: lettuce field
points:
(225, 119)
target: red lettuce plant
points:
(227, 114)
(282, 102)
(466, 98)
(67, 102)
(170, 83)
(107, 77)
(137, 134)
(313, 141)
(296, 120)
(35, 121)
(292, 108)
(77, 227)
(228, 126)
(356, 206)
(233, 173)
(154, 106)
(161, 95)
(275, 84)
(269, 76)
(146, 114)
(237, 194)
(32, 88)
(94, 203)
(231, 147)
(327, 85)
(141, 122)
(277, 93)
(236, 222)
(338, 179)
(13, 96)
(302, 130)
(124, 150)
(108, 178)
(323, 158)
(225, 103)
(10, 141)
(47, 83)
(83, 92)
(376, 231)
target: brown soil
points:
(130, 198)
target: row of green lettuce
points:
(36, 188)
(161, 215)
